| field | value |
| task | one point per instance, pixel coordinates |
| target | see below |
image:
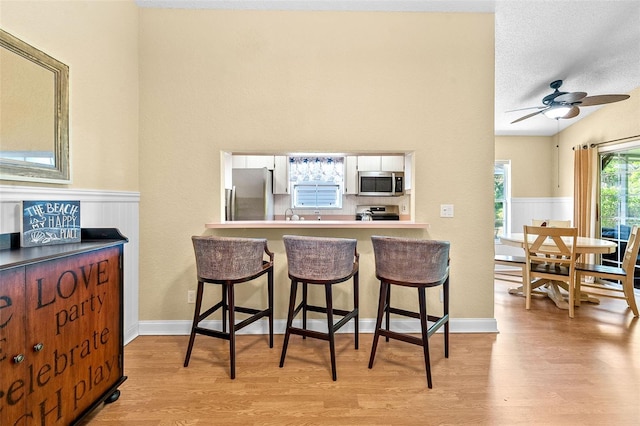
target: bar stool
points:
(323, 261)
(229, 261)
(418, 264)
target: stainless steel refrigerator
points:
(251, 196)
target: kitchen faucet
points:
(288, 214)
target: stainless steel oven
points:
(377, 213)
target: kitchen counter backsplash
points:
(348, 211)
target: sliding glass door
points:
(619, 197)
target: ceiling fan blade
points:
(528, 116)
(570, 97)
(524, 109)
(574, 111)
(602, 99)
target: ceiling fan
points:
(567, 104)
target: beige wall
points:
(215, 81)
(532, 164)
(212, 81)
(98, 40)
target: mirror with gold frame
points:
(34, 114)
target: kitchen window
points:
(317, 196)
(317, 182)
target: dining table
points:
(584, 246)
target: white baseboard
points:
(130, 333)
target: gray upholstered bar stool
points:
(229, 261)
(321, 261)
(411, 263)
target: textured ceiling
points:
(594, 46)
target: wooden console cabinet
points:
(61, 329)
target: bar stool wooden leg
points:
(356, 297)
(232, 330)
(425, 332)
(445, 313)
(287, 334)
(331, 331)
(304, 308)
(196, 315)
(381, 312)
(270, 297)
(225, 307)
(388, 311)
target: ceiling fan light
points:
(557, 111)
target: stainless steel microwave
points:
(380, 184)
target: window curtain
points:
(316, 169)
(585, 206)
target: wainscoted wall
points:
(525, 209)
(98, 209)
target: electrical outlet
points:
(446, 210)
(191, 296)
(404, 208)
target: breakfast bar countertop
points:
(296, 224)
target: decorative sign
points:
(50, 222)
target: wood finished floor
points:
(542, 368)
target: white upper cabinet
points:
(228, 166)
(408, 171)
(281, 175)
(381, 163)
(351, 174)
(392, 163)
(253, 161)
(369, 163)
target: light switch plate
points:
(446, 210)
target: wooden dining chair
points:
(624, 275)
(551, 223)
(551, 255)
(559, 223)
(516, 263)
